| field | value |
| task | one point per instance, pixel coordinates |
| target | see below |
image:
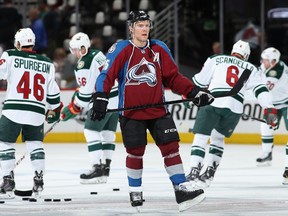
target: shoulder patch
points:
(273, 73)
(100, 58)
(80, 64)
(112, 48)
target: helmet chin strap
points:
(81, 55)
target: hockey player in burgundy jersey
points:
(144, 67)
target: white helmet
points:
(78, 41)
(242, 48)
(25, 37)
(271, 54)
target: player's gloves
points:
(70, 111)
(201, 98)
(99, 109)
(53, 115)
(270, 116)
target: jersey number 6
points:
(232, 75)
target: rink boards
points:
(247, 131)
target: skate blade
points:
(138, 208)
(189, 203)
(37, 194)
(99, 180)
(285, 181)
(264, 164)
(7, 195)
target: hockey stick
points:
(190, 130)
(254, 118)
(236, 88)
(29, 192)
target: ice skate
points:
(136, 200)
(106, 170)
(206, 177)
(285, 176)
(7, 187)
(193, 176)
(264, 160)
(38, 184)
(186, 196)
(94, 176)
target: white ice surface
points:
(239, 186)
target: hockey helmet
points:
(78, 41)
(271, 54)
(242, 48)
(25, 37)
(135, 16)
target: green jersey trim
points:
(26, 107)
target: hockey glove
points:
(53, 115)
(270, 116)
(201, 98)
(99, 109)
(70, 111)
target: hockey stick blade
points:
(236, 88)
(23, 193)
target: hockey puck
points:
(47, 200)
(56, 200)
(32, 200)
(67, 199)
(93, 193)
(2, 202)
(116, 189)
(25, 198)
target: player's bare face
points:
(140, 32)
(76, 52)
(267, 64)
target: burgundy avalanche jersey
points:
(142, 73)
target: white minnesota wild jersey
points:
(86, 72)
(31, 86)
(221, 72)
(277, 83)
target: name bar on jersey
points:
(32, 65)
(235, 61)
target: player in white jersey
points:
(101, 136)
(31, 86)
(276, 74)
(219, 119)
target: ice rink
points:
(239, 187)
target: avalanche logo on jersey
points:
(143, 72)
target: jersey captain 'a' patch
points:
(144, 72)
